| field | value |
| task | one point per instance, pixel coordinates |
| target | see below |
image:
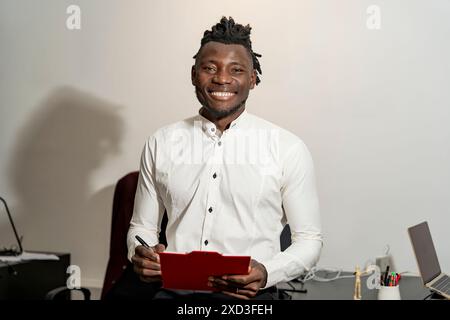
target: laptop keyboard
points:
(443, 284)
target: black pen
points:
(386, 280)
(141, 241)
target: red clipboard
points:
(190, 271)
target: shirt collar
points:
(210, 128)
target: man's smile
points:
(221, 95)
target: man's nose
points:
(222, 77)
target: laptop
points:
(427, 260)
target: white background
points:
(372, 106)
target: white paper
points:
(29, 256)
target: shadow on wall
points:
(70, 135)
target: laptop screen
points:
(424, 250)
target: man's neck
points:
(221, 123)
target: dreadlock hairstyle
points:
(228, 32)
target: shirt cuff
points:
(280, 270)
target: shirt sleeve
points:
(148, 206)
(301, 207)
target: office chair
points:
(122, 211)
(64, 293)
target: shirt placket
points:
(212, 204)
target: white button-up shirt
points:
(230, 192)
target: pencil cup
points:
(389, 293)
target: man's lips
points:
(221, 95)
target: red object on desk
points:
(190, 271)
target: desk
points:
(411, 288)
(32, 279)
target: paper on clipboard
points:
(190, 271)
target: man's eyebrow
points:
(208, 61)
(215, 62)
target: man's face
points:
(223, 76)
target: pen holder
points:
(389, 293)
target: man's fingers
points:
(150, 273)
(253, 276)
(148, 253)
(241, 294)
(146, 272)
(144, 252)
(250, 290)
(145, 263)
(160, 248)
(219, 282)
(230, 286)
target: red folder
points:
(190, 271)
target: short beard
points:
(220, 114)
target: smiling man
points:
(251, 179)
(223, 75)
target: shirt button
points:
(219, 143)
(213, 129)
(210, 209)
(214, 175)
(206, 242)
(124, 266)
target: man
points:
(228, 180)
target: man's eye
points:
(238, 70)
(209, 69)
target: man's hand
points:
(242, 286)
(146, 262)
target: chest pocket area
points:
(183, 186)
(245, 184)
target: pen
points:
(386, 278)
(141, 241)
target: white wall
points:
(372, 105)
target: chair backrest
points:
(64, 293)
(122, 211)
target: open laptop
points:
(427, 260)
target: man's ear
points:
(193, 75)
(253, 79)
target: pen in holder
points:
(390, 288)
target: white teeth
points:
(222, 94)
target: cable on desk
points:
(311, 274)
(428, 296)
(294, 289)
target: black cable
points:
(426, 298)
(11, 252)
(294, 289)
